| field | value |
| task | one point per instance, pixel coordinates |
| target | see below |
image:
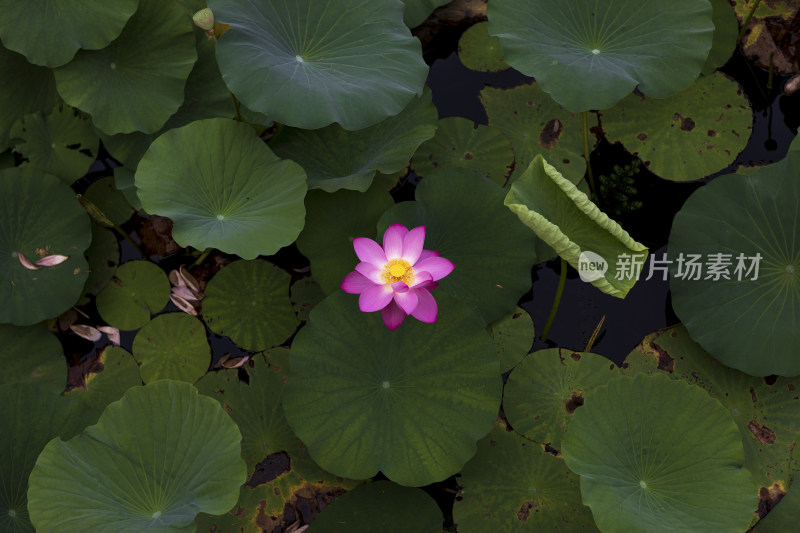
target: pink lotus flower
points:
(398, 277)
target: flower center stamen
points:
(398, 270)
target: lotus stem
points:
(747, 20)
(592, 188)
(771, 69)
(595, 333)
(562, 280)
(202, 257)
(101, 218)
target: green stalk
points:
(747, 20)
(202, 257)
(562, 279)
(592, 188)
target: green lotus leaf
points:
(114, 372)
(335, 158)
(381, 391)
(172, 346)
(30, 89)
(223, 188)
(125, 183)
(33, 355)
(588, 54)
(305, 294)
(646, 447)
(543, 392)
(140, 289)
(565, 218)
(267, 440)
(480, 51)
(40, 216)
(49, 33)
(417, 11)
(332, 222)
(784, 516)
(466, 223)
(103, 256)
(726, 34)
(61, 143)
(154, 460)
(767, 415)
(308, 64)
(205, 96)
(513, 337)
(136, 82)
(460, 143)
(513, 486)
(537, 125)
(380, 506)
(749, 324)
(30, 417)
(104, 194)
(248, 301)
(688, 135)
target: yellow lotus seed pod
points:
(204, 19)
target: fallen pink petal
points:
(87, 332)
(52, 260)
(24, 262)
(397, 278)
(112, 334)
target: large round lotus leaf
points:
(205, 96)
(543, 392)
(223, 188)
(154, 460)
(136, 82)
(49, 32)
(746, 323)
(466, 222)
(460, 143)
(416, 11)
(248, 301)
(513, 337)
(688, 135)
(40, 216)
(62, 143)
(726, 33)
(537, 125)
(30, 417)
(656, 454)
(104, 194)
(766, 413)
(114, 372)
(172, 346)
(305, 294)
(125, 183)
(32, 355)
(268, 443)
(513, 486)
(480, 51)
(380, 506)
(334, 158)
(30, 89)
(332, 222)
(139, 289)
(567, 220)
(588, 54)
(307, 64)
(392, 397)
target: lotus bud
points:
(204, 19)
